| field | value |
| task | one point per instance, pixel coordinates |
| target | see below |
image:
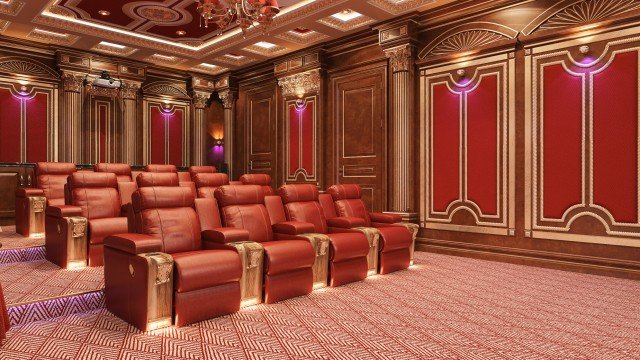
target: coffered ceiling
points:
(169, 32)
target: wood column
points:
(129, 93)
(71, 122)
(228, 98)
(200, 100)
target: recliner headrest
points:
(345, 191)
(256, 179)
(211, 179)
(155, 197)
(147, 179)
(194, 170)
(118, 169)
(299, 192)
(92, 180)
(161, 168)
(239, 195)
(54, 168)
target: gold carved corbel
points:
(320, 244)
(373, 236)
(159, 289)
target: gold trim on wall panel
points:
(466, 228)
(512, 143)
(373, 126)
(183, 106)
(308, 101)
(528, 102)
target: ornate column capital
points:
(72, 82)
(200, 99)
(400, 57)
(129, 90)
(301, 84)
(228, 98)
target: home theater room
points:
(319, 179)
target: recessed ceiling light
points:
(234, 56)
(181, 33)
(265, 45)
(47, 32)
(117, 46)
(104, 13)
(346, 15)
(208, 65)
(164, 57)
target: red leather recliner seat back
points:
(51, 177)
(96, 193)
(122, 171)
(194, 170)
(148, 179)
(243, 207)
(263, 180)
(207, 183)
(301, 204)
(167, 213)
(161, 168)
(348, 201)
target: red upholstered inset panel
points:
(9, 126)
(37, 111)
(306, 121)
(562, 144)
(482, 145)
(175, 137)
(102, 125)
(615, 138)
(158, 119)
(294, 139)
(446, 147)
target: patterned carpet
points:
(9, 239)
(444, 308)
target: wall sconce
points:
(300, 104)
(218, 142)
(584, 49)
(24, 90)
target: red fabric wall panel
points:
(615, 138)
(157, 135)
(102, 126)
(562, 145)
(306, 121)
(9, 126)
(446, 146)
(482, 145)
(175, 137)
(294, 139)
(36, 111)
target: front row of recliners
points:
(188, 259)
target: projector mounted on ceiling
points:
(106, 81)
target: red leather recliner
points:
(207, 183)
(184, 178)
(395, 240)
(168, 258)
(122, 171)
(348, 250)
(193, 170)
(264, 180)
(50, 179)
(94, 197)
(288, 265)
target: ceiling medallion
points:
(245, 13)
(158, 14)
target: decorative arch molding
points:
(467, 37)
(165, 88)
(570, 13)
(16, 65)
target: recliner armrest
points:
(293, 227)
(28, 192)
(385, 218)
(346, 222)
(225, 235)
(63, 211)
(133, 243)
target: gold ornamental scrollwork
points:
(200, 99)
(400, 57)
(72, 82)
(129, 90)
(301, 84)
(228, 98)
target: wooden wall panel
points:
(467, 150)
(261, 131)
(301, 150)
(166, 129)
(359, 99)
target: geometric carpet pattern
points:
(16, 248)
(33, 281)
(442, 308)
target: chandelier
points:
(246, 13)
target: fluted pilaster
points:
(129, 94)
(228, 98)
(71, 122)
(200, 100)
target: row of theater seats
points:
(181, 253)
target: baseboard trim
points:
(574, 263)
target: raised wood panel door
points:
(360, 112)
(261, 135)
